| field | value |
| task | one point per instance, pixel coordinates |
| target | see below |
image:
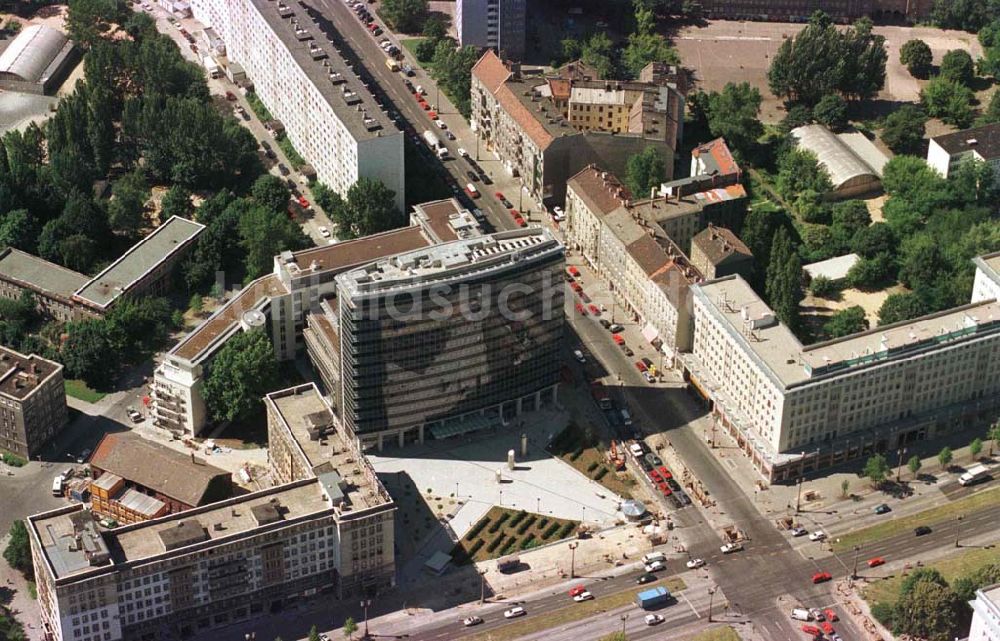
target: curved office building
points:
(450, 338)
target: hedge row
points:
(566, 529)
(499, 522)
(475, 548)
(527, 524)
(495, 543)
(592, 467)
(577, 453)
(477, 528)
(549, 533)
(518, 518)
(600, 475)
(543, 523)
(529, 542)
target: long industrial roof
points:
(32, 51)
(38, 273)
(836, 155)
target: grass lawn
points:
(572, 612)
(723, 633)
(293, 155)
(578, 447)
(78, 389)
(979, 501)
(887, 591)
(502, 531)
(411, 45)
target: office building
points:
(986, 614)
(494, 24)
(32, 402)
(327, 113)
(947, 151)
(794, 408)
(304, 438)
(546, 129)
(216, 565)
(278, 304)
(445, 339)
(718, 252)
(986, 285)
(134, 479)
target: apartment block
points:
(304, 438)
(986, 285)
(718, 252)
(52, 285)
(32, 402)
(216, 565)
(448, 339)
(494, 24)
(986, 614)
(327, 113)
(546, 129)
(793, 408)
(278, 304)
(981, 144)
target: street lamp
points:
(854, 572)
(798, 497)
(572, 559)
(899, 462)
(538, 505)
(482, 586)
(959, 532)
(711, 599)
(624, 618)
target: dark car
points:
(653, 460)
(922, 530)
(485, 178)
(882, 509)
(605, 323)
(647, 362)
(628, 351)
(282, 169)
(648, 577)
(472, 175)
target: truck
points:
(432, 140)
(974, 474)
(391, 64)
(212, 66)
(600, 395)
(652, 598)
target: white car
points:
(818, 535)
(695, 563)
(440, 124)
(513, 613)
(583, 596)
(83, 456)
(653, 619)
(324, 637)
(463, 153)
(649, 377)
(799, 531)
(134, 415)
(578, 355)
(558, 214)
(728, 548)
(324, 232)
(471, 621)
(655, 566)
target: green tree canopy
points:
(976, 447)
(732, 114)
(599, 52)
(18, 550)
(948, 100)
(851, 215)
(945, 456)
(453, 72)
(645, 171)
(406, 16)
(350, 627)
(127, 208)
(846, 322)
(831, 110)
(871, 273)
(914, 465)
(968, 15)
(270, 192)
(87, 21)
(876, 469)
(90, 353)
(901, 306)
(645, 45)
(263, 235)
(927, 611)
(176, 202)
(917, 57)
(245, 369)
(369, 208)
(957, 66)
(435, 27)
(799, 171)
(904, 130)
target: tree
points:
(871, 273)
(784, 280)
(263, 235)
(18, 228)
(313, 634)
(645, 45)
(368, 209)
(435, 27)
(877, 470)
(927, 611)
(176, 202)
(245, 369)
(598, 52)
(902, 306)
(139, 325)
(846, 321)
(921, 262)
(424, 51)
(18, 550)
(914, 465)
(845, 487)
(645, 171)
(797, 116)
(270, 192)
(976, 448)
(948, 100)
(904, 130)
(196, 303)
(917, 57)
(945, 457)
(957, 66)
(994, 435)
(405, 16)
(851, 215)
(968, 15)
(350, 627)
(800, 171)
(732, 114)
(89, 353)
(831, 111)
(453, 71)
(127, 208)
(87, 21)
(823, 287)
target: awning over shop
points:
(649, 332)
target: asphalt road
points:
(361, 50)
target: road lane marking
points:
(690, 606)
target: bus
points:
(391, 64)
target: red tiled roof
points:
(720, 154)
(560, 88)
(490, 71)
(529, 124)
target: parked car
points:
(324, 232)
(230, 96)
(503, 200)
(649, 377)
(471, 621)
(513, 613)
(817, 614)
(605, 323)
(463, 153)
(694, 564)
(831, 615)
(578, 355)
(449, 135)
(799, 531)
(818, 535)
(473, 176)
(639, 365)
(821, 577)
(84, 455)
(134, 415)
(811, 630)
(827, 628)
(729, 548)
(655, 566)
(616, 329)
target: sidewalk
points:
(21, 605)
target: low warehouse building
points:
(36, 61)
(853, 162)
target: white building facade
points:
(986, 615)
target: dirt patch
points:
(820, 309)
(579, 448)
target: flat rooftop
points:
(337, 83)
(778, 350)
(446, 220)
(321, 438)
(141, 259)
(20, 374)
(991, 262)
(40, 274)
(355, 252)
(70, 540)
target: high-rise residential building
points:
(495, 24)
(794, 408)
(278, 303)
(326, 111)
(32, 402)
(216, 565)
(445, 339)
(546, 129)
(986, 614)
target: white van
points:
(801, 614)
(57, 484)
(653, 557)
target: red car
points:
(576, 287)
(811, 630)
(618, 339)
(827, 628)
(877, 561)
(639, 365)
(653, 474)
(831, 615)
(664, 489)
(432, 115)
(230, 96)
(573, 271)
(595, 310)
(665, 473)
(579, 589)
(580, 309)
(821, 577)
(499, 196)
(304, 202)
